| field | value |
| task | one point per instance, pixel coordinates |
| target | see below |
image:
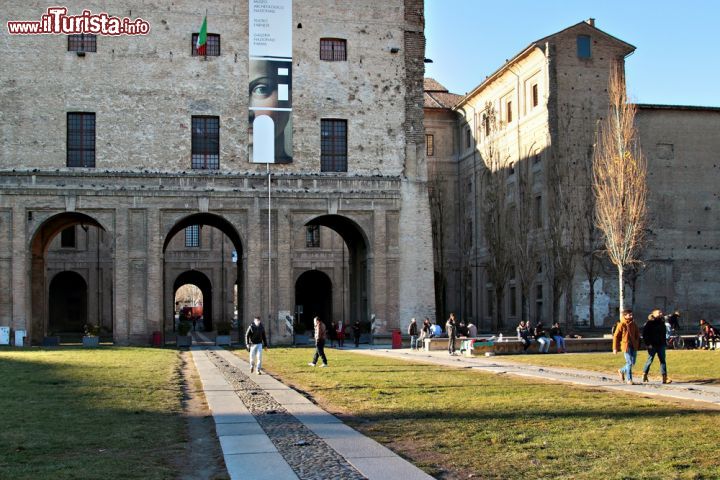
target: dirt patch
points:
(202, 457)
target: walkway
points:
(269, 431)
(504, 365)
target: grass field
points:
(90, 413)
(454, 423)
(687, 365)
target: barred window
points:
(192, 236)
(429, 145)
(82, 43)
(212, 45)
(67, 238)
(509, 111)
(535, 96)
(333, 49)
(333, 145)
(81, 139)
(312, 236)
(205, 143)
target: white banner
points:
(270, 81)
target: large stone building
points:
(528, 131)
(99, 137)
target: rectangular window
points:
(333, 145)
(312, 236)
(82, 43)
(429, 145)
(534, 96)
(486, 124)
(212, 45)
(583, 46)
(192, 236)
(333, 49)
(67, 238)
(508, 111)
(206, 143)
(538, 212)
(468, 138)
(81, 139)
(513, 303)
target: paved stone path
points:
(501, 365)
(269, 431)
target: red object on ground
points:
(156, 339)
(396, 339)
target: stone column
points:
(121, 326)
(154, 304)
(256, 261)
(284, 280)
(378, 304)
(21, 300)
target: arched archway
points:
(313, 294)
(358, 262)
(40, 243)
(214, 262)
(200, 280)
(68, 298)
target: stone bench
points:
(511, 346)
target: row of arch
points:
(65, 295)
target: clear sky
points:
(676, 61)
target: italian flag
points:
(201, 44)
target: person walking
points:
(356, 334)
(451, 329)
(557, 335)
(320, 335)
(254, 342)
(627, 339)
(653, 334)
(413, 332)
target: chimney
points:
(590, 21)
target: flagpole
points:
(269, 297)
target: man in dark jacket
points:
(654, 336)
(255, 341)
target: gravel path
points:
(306, 453)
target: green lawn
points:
(90, 413)
(454, 422)
(688, 365)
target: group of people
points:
(527, 334)
(626, 339)
(453, 329)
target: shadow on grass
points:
(65, 416)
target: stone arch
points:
(359, 264)
(39, 244)
(67, 302)
(313, 290)
(200, 280)
(220, 290)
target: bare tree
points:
(437, 189)
(559, 237)
(495, 221)
(524, 225)
(619, 181)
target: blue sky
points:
(676, 60)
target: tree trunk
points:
(591, 300)
(568, 305)
(621, 292)
(499, 324)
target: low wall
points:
(512, 346)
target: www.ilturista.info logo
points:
(56, 21)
